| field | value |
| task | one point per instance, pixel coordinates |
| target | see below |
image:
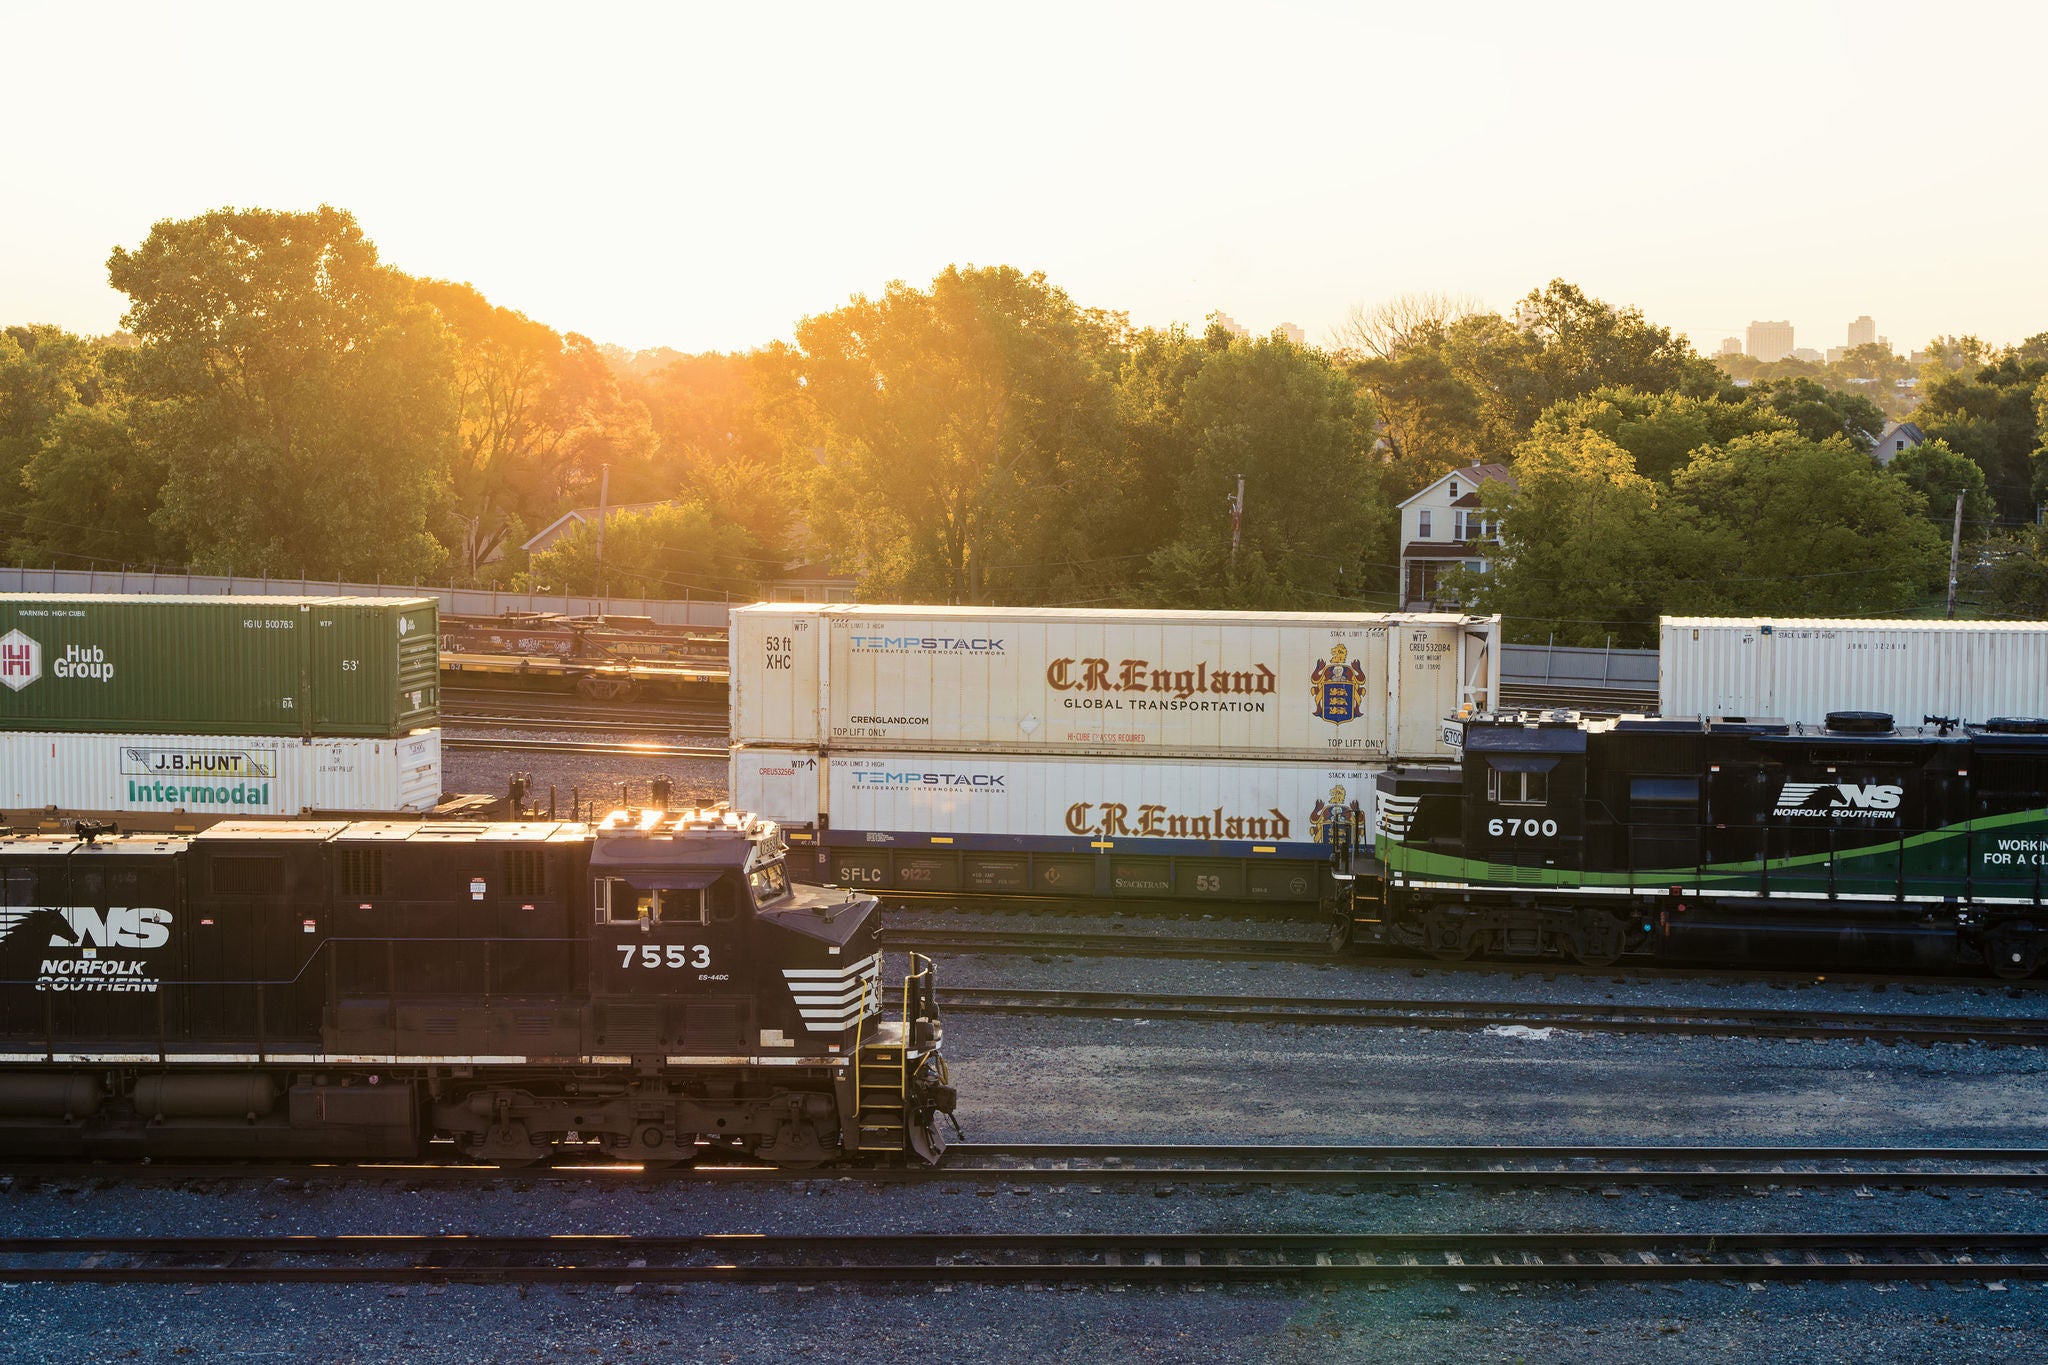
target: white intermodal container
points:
(1055, 802)
(784, 785)
(1291, 686)
(1799, 670)
(218, 774)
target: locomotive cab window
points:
(770, 883)
(620, 902)
(1517, 788)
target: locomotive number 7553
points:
(653, 955)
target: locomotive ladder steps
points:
(883, 1079)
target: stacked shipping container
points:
(1087, 752)
(1799, 670)
(218, 705)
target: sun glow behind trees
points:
(288, 402)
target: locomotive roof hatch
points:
(53, 843)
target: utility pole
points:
(1236, 520)
(1955, 553)
(604, 488)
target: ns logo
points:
(1823, 797)
(83, 926)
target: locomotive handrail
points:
(927, 1000)
(860, 1025)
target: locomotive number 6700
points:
(1546, 828)
(673, 955)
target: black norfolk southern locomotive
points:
(645, 989)
(1716, 839)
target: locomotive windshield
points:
(770, 883)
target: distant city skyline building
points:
(1863, 332)
(1730, 346)
(1807, 354)
(1836, 353)
(1293, 333)
(1231, 324)
(1769, 340)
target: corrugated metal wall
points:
(1799, 670)
(218, 774)
(1125, 801)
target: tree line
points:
(282, 401)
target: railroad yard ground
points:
(1051, 1079)
(1028, 1079)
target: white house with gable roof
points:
(1444, 526)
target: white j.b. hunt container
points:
(1290, 686)
(218, 774)
(1799, 670)
(1056, 801)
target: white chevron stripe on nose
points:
(828, 999)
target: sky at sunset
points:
(700, 177)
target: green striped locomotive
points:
(1716, 839)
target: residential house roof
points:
(559, 527)
(1474, 474)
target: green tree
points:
(1430, 417)
(1583, 344)
(508, 432)
(44, 373)
(1777, 524)
(1938, 473)
(1817, 410)
(90, 491)
(669, 551)
(729, 437)
(303, 399)
(1461, 385)
(2017, 580)
(1661, 431)
(1317, 528)
(1580, 559)
(966, 430)
(1985, 408)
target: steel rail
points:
(1005, 941)
(1193, 1164)
(1606, 1018)
(625, 1259)
(1106, 945)
(578, 746)
(508, 722)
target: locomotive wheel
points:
(1597, 942)
(1340, 933)
(2013, 951)
(1450, 942)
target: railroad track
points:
(1124, 1164)
(1814, 1025)
(1121, 1258)
(583, 746)
(1009, 941)
(483, 721)
(1105, 945)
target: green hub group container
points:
(308, 666)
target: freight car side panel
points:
(1080, 805)
(218, 665)
(1352, 686)
(774, 663)
(218, 774)
(1799, 670)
